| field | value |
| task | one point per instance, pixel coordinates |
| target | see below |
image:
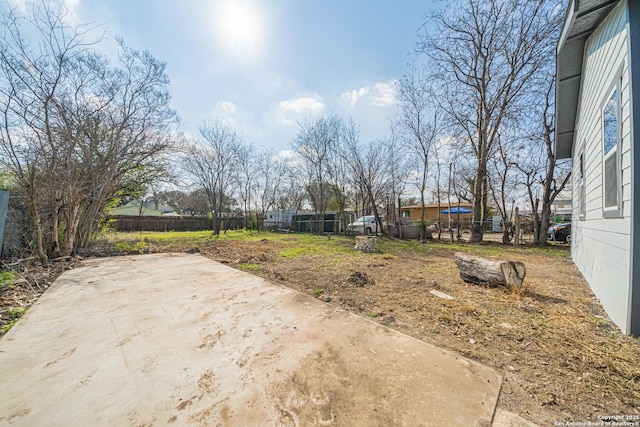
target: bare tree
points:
(399, 170)
(291, 195)
(483, 55)
(420, 122)
(76, 131)
(125, 145)
(246, 180)
(369, 168)
(541, 169)
(438, 156)
(338, 175)
(214, 162)
(504, 181)
(314, 144)
(271, 175)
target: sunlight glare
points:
(240, 27)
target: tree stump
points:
(366, 244)
(483, 271)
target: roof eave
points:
(578, 26)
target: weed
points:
(315, 246)
(384, 256)
(126, 247)
(7, 279)
(165, 237)
(469, 309)
(294, 252)
(139, 247)
(123, 247)
(372, 315)
(13, 316)
(600, 322)
(248, 266)
(444, 318)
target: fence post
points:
(516, 237)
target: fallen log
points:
(492, 272)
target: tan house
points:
(431, 211)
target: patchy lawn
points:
(561, 357)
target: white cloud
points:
(292, 110)
(386, 94)
(354, 95)
(226, 111)
(380, 94)
(226, 107)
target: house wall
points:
(601, 246)
(431, 213)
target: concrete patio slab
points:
(175, 339)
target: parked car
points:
(364, 225)
(560, 232)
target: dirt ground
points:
(561, 357)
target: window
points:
(611, 153)
(581, 189)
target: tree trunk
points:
(483, 271)
(506, 238)
(479, 202)
(56, 252)
(399, 231)
(37, 228)
(73, 220)
(544, 225)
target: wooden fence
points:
(171, 223)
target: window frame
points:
(582, 193)
(612, 211)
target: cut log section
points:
(366, 244)
(492, 272)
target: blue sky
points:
(263, 65)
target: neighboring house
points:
(166, 210)
(562, 205)
(597, 99)
(431, 212)
(133, 208)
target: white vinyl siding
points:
(601, 246)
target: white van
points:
(365, 225)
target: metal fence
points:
(17, 241)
